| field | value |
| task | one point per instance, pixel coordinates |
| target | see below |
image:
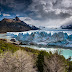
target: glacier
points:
(43, 38)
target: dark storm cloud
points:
(43, 9)
(28, 2)
(5, 8)
(52, 8)
(14, 6)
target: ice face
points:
(44, 38)
(70, 37)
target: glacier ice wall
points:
(44, 38)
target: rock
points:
(13, 40)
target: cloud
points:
(0, 13)
(44, 23)
(67, 21)
(16, 6)
(52, 8)
(17, 15)
(41, 9)
(47, 23)
(6, 14)
(29, 20)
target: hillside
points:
(14, 58)
(14, 25)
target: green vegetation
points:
(40, 61)
(4, 46)
(44, 61)
(36, 52)
(48, 62)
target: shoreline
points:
(19, 43)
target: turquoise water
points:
(65, 52)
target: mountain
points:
(67, 26)
(15, 25)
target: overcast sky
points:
(48, 13)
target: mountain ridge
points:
(67, 26)
(15, 25)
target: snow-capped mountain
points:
(67, 26)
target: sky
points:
(46, 13)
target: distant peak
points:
(17, 19)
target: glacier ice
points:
(44, 38)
